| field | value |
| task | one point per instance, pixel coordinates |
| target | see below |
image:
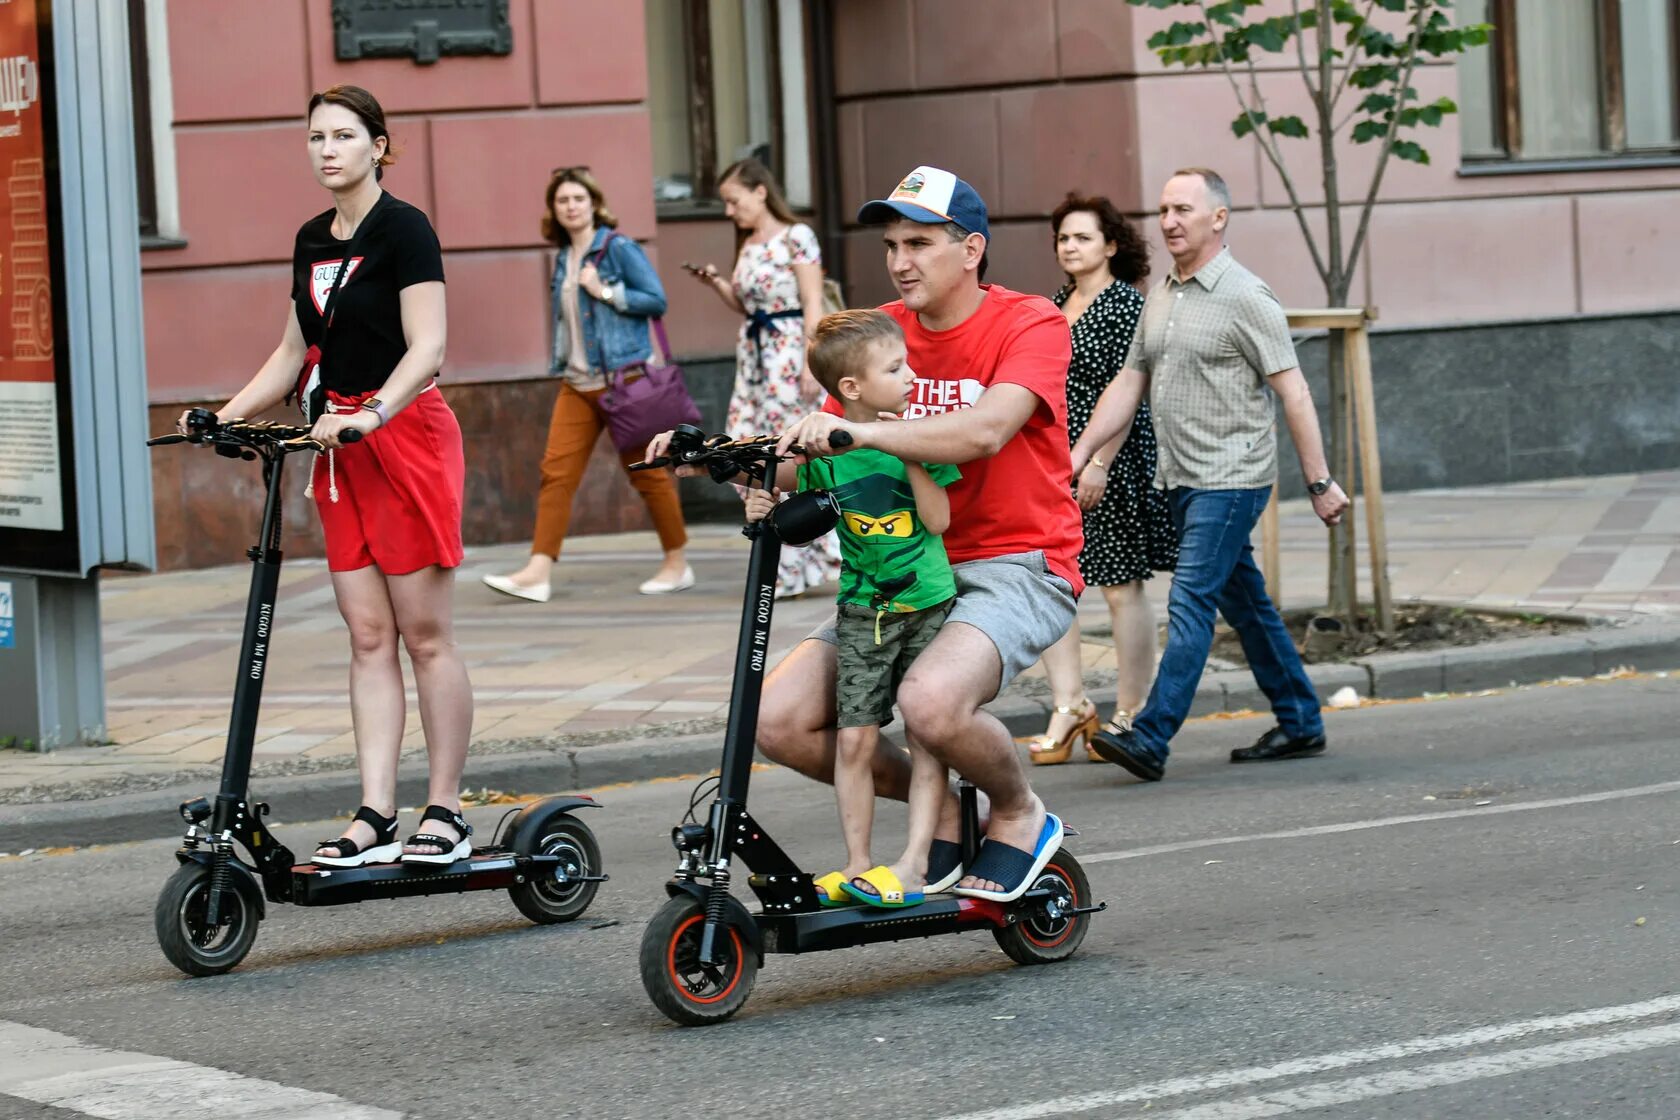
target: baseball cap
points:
(931, 195)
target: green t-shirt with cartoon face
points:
(889, 561)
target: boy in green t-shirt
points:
(895, 590)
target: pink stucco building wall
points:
(1025, 98)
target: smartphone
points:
(696, 269)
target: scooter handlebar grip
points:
(840, 439)
(350, 435)
(172, 437)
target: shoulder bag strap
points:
(344, 268)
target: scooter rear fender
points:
(522, 832)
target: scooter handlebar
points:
(239, 433)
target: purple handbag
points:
(645, 399)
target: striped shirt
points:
(1207, 345)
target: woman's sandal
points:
(384, 848)
(446, 851)
(1118, 726)
(1045, 751)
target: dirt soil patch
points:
(1417, 626)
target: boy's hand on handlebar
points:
(815, 434)
(327, 429)
(759, 503)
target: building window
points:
(1571, 79)
(726, 79)
(154, 113)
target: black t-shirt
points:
(397, 250)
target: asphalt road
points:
(1467, 908)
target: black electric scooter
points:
(702, 951)
(207, 915)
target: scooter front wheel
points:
(1053, 932)
(690, 993)
(190, 942)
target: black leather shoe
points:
(1275, 744)
(1125, 751)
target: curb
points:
(151, 814)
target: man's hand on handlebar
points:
(815, 434)
(328, 429)
(759, 503)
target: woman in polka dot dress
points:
(777, 284)
(1128, 527)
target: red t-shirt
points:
(1021, 499)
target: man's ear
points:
(974, 250)
(1221, 218)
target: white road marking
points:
(55, 1069)
(1331, 1093)
(1445, 1073)
(1384, 822)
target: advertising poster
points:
(31, 460)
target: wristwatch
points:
(606, 293)
(377, 407)
(1320, 486)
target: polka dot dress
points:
(1129, 535)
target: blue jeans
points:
(1216, 570)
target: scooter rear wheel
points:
(191, 943)
(1051, 935)
(692, 994)
(545, 899)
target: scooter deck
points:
(841, 927)
(485, 869)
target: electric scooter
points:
(207, 915)
(701, 953)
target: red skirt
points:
(394, 498)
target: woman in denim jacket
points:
(603, 294)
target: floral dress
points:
(769, 355)
(1129, 534)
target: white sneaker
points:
(665, 587)
(537, 594)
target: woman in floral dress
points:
(777, 285)
(1128, 526)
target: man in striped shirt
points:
(1213, 352)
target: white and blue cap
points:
(931, 195)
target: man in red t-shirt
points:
(990, 395)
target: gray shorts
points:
(1015, 600)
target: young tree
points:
(1357, 59)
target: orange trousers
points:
(572, 431)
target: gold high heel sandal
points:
(1045, 751)
(1119, 725)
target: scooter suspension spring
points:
(717, 900)
(221, 881)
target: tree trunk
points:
(1342, 594)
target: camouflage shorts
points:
(869, 674)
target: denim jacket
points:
(615, 333)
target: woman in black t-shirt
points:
(391, 504)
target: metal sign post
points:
(75, 484)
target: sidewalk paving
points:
(600, 662)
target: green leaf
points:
(1366, 131)
(1409, 151)
(1376, 103)
(1246, 122)
(1288, 126)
